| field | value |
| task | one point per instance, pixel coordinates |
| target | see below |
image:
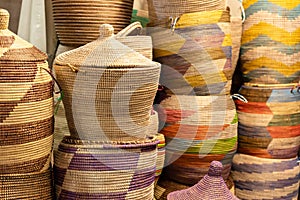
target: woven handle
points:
(54, 79)
(129, 29)
(4, 19)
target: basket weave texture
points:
(263, 178)
(26, 104)
(270, 42)
(77, 21)
(109, 89)
(269, 123)
(95, 170)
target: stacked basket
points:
(194, 43)
(109, 91)
(269, 136)
(26, 121)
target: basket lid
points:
(105, 52)
(12, 47)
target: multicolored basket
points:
(109, 89)
(269, 124)
(198, 130)
(36, 185)
(96, 170)
(26, 104)
(161, 10)
(261, 178)
(271, 42)
(161, 153)
(195, 51)
(211, 186)
(77, 21)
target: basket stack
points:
(194, 42)
(108, 94)
(26, 120)
(268, 128)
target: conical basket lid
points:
(13, 48)
(105, 52)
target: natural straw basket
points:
(195, 54)
(262, 178)
(27, 186)
(26, 104)
(198, 130)
(211, 186)
(77, 21)
(97, 170)
(109, 89)
(269, 124)
(161, 10)
(270, 42)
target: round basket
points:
(109, 89)
(161, 153)
(77, 21)
(96, 170)
(161, 10)
(269, 123)
(270, 42)
(195, 54)
(26, 104)
(27, 186)
(262, 178)
(198, 130)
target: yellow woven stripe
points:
(227, 41)
(284, 69)
(200, 80)
(249, 3)
(275, 33)
(205, 17)
(288, 4)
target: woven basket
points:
(161, 153)
(109, 89)
(127, 36)
(198, 130)
(196, 55)
(161, 10)
(261, 178)
(211, 186)
(269, 123)
(77, 21)
(26, 104)
(27, 186)
(270, 42)
(96, 170)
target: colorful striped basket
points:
(36, 185)
(109, 89)
(195, 51)
(77, 21)
(161, 153)
(198, 130)
(96, 170)
(211, 186)
(26, 104)
(269, 124)
(271, 42)
(262, 178)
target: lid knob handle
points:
(4, 19)
(215, 168)
(106, 30)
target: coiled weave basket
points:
(26, 104)
(77, 21)
(109, 89)
(262, 178)
(96, 170)
(269, 124)
(198, 130)
(271, 42)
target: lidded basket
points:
(108, 89)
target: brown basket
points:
(109, 89)
(269, 123)
(262, 178)
(96, 170)
(77, 22)
(27, 186)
